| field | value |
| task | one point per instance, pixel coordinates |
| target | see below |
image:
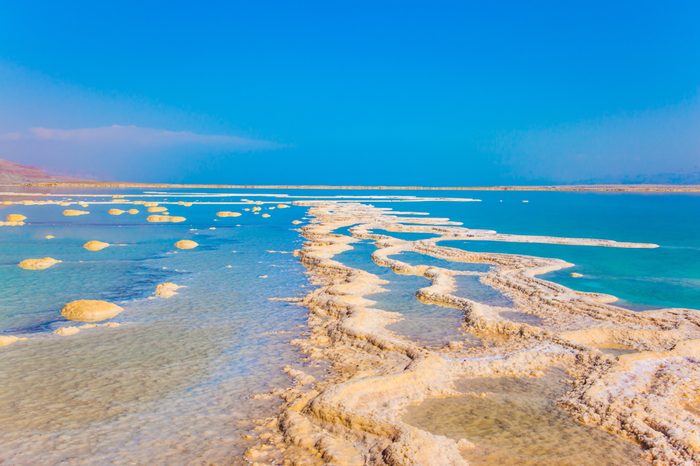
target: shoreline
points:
(612, 188)
(356, 413)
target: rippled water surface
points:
(174, 381)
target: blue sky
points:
(353, 92)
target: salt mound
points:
(38, 264)
(9, 339)
(115, 211)
(265, 215)
(167, 290)
(283, 206)
(133, 211)
(257, 209)
(15, 218)
(89, 310)
(66, 331)
(186, 244)
(184, 203)
(296, 222)
(95, 245)
(150, 204)
(228, 214)
(157, 209)
(575, 275)
(165, 218)
(74, 212)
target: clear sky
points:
(353, 92)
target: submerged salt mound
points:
(9, 339)
(186, 244)
(167, 290)
(66, 331)
(38, 264)
(115, 211)
(49, 237)
(165, 219)
(228, 214)
(95, 245)
(74, 212)
(90, 310)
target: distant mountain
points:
(15, 173)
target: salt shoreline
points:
(354, 416)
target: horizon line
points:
(648, 188)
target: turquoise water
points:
(641, 278)
(415, 258)
(405, 235)
(668, 276)
(175, 381)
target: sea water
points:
(176, 381)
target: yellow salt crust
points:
(74, 212)
(38, 264)
(186, 244)
(90, 310)
(165, 219)
(95, 245)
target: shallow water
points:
(415, 258)
(471, 287)
(405, 235)
(426, 323)
(174, 381)
(515, 421)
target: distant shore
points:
(622, 188)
